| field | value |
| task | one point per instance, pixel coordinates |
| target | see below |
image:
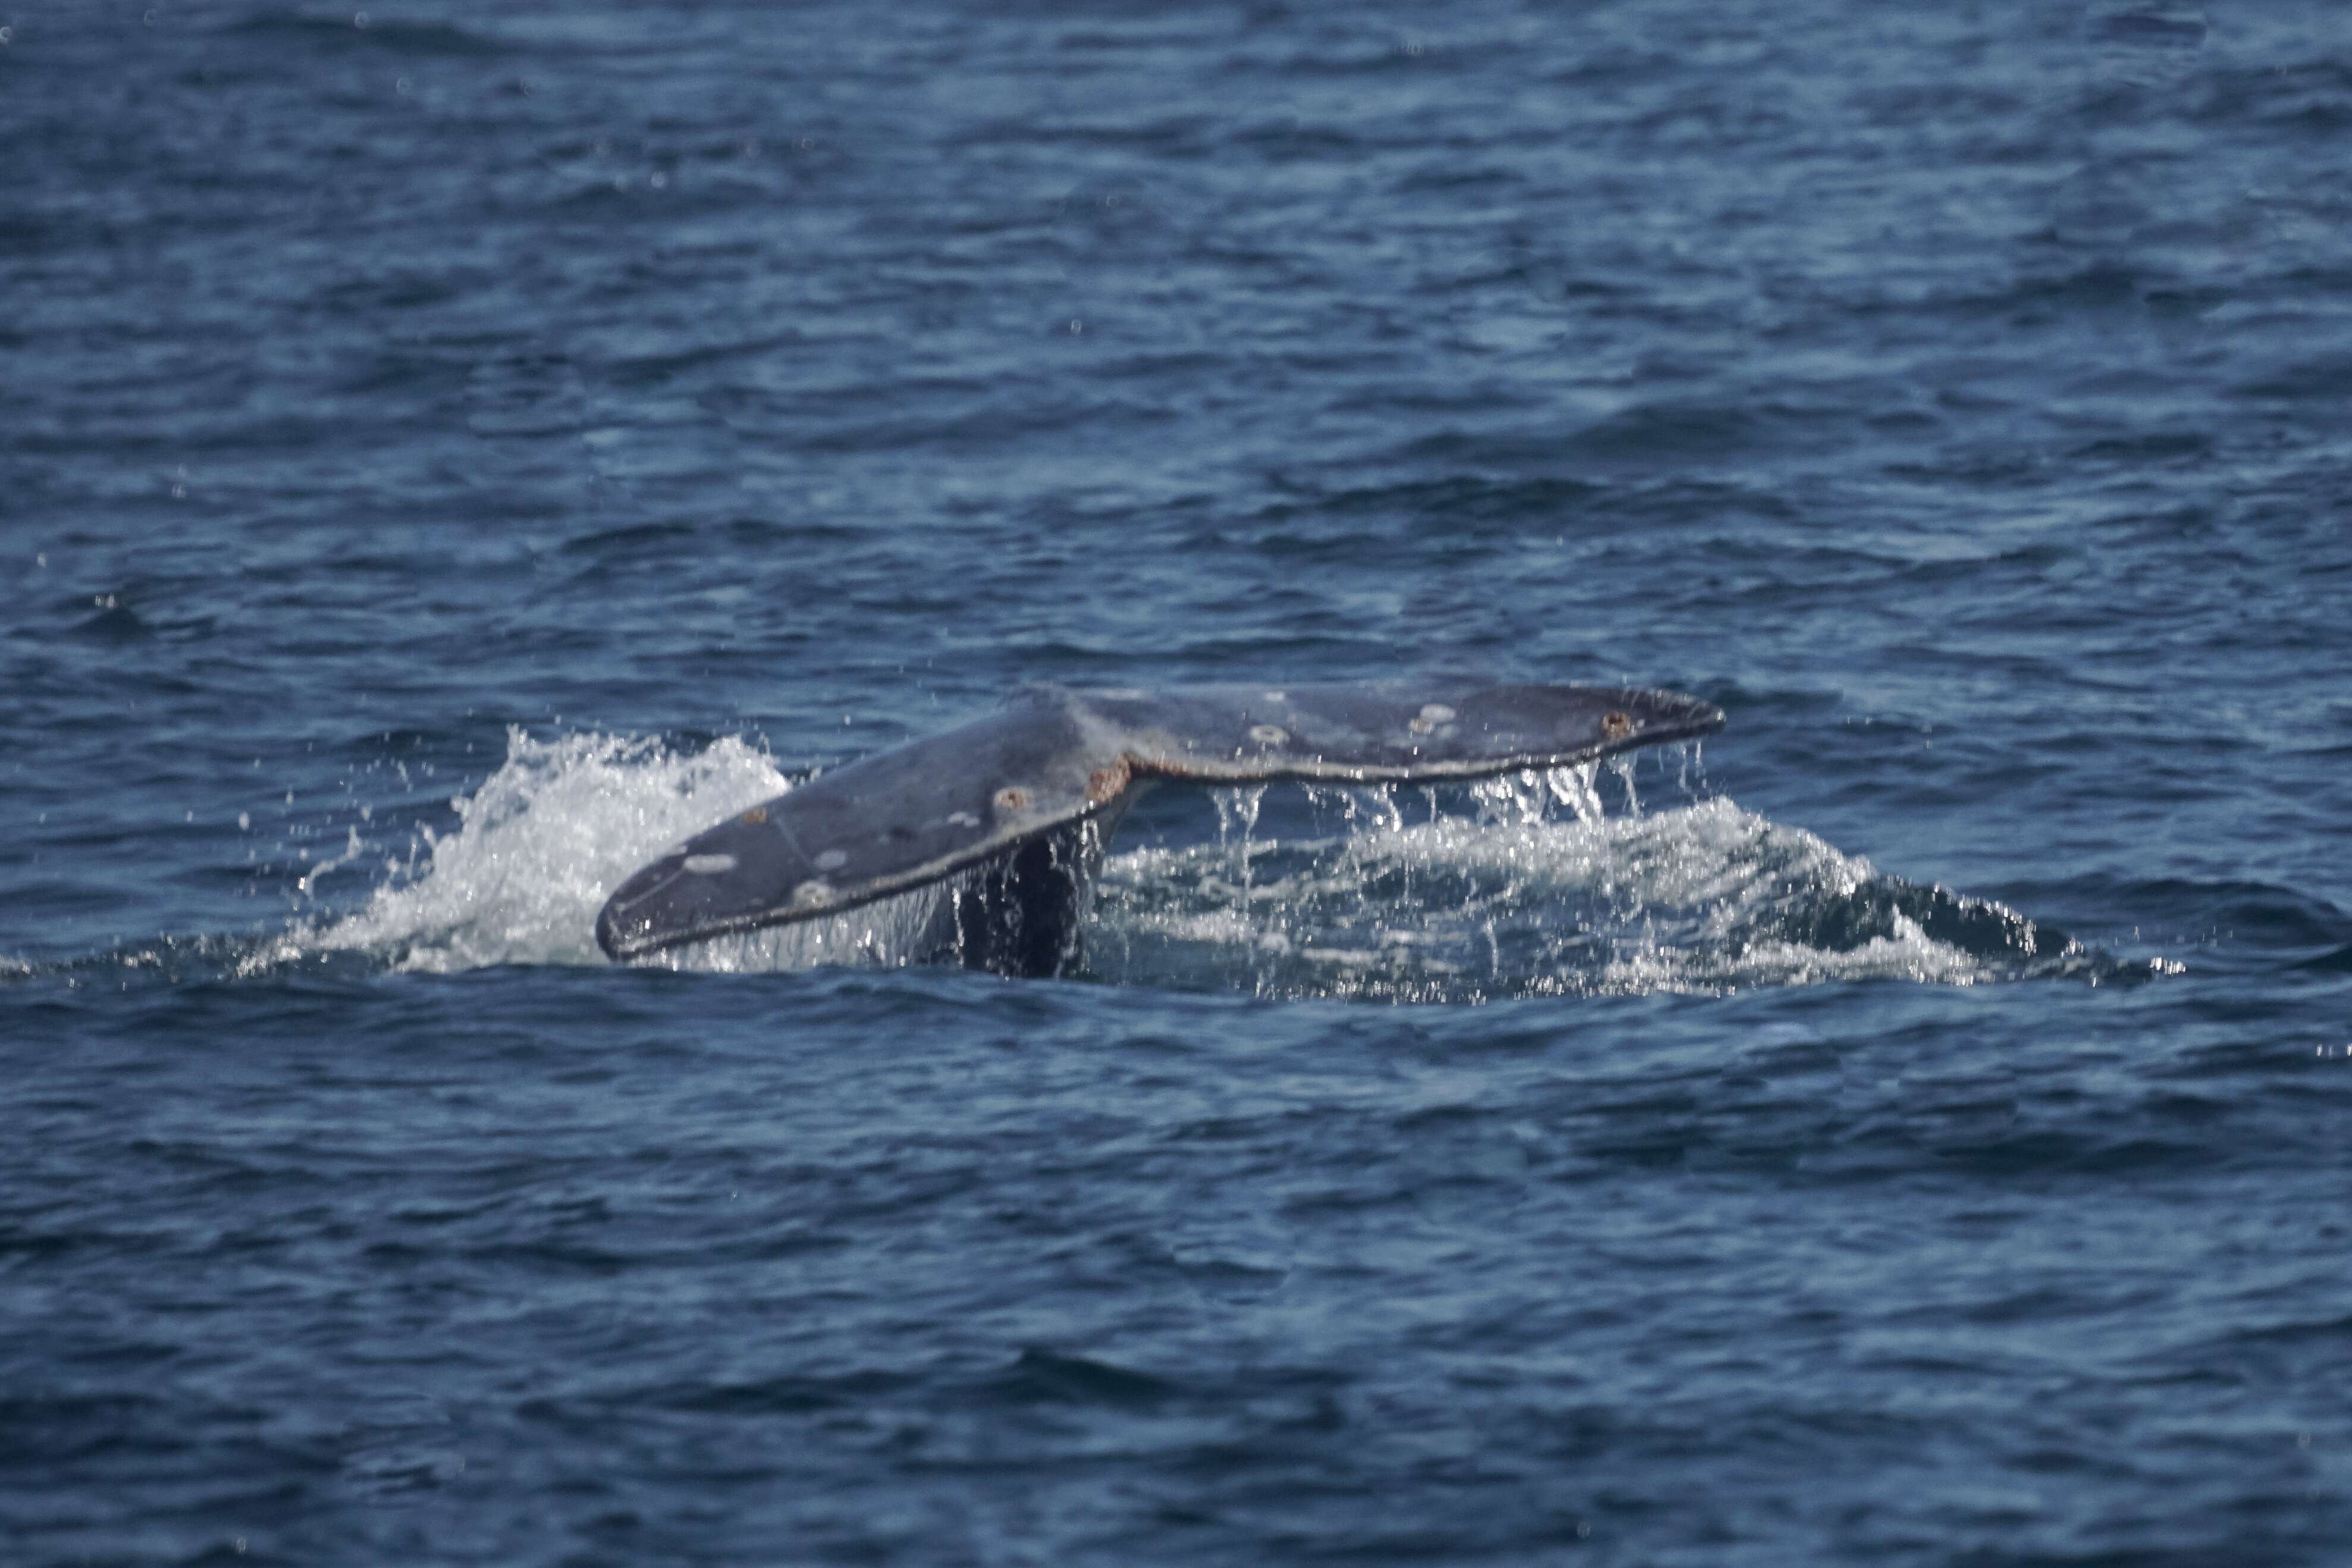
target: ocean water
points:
(448, 454)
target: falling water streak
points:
(1574, 787)
(1239, 807)
(1512, 800)
(1245, 808)
(1690, 768)
(1622, 767)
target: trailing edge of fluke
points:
(1027, 797)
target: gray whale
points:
(1017, 807)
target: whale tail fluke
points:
(1029, 796)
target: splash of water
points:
(537, 849)
(1510, 903)
(1522, 884)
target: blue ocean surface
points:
(450, 454)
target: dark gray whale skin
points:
(1026, 798)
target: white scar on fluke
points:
(1018, 806)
